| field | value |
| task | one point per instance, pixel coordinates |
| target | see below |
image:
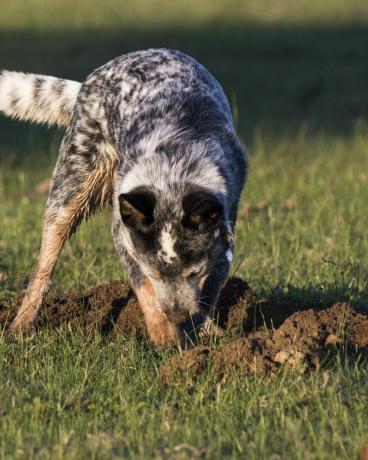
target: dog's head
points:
(177, 239)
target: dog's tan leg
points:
(161, 331)
(77, 189)
(55, 232)
(52, 242)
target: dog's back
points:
(138, 101)
(162, 100)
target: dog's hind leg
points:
(79, 185)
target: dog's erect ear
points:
(201, 210)
(137, 207)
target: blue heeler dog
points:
(150, 132)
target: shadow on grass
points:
(312, 296)
(276, 77)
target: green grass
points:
(296, 76)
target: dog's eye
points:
(194, 273)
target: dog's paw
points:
(210, 328)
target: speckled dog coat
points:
(151, 132)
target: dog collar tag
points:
(229, 255)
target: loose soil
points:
(260, 335)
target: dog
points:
(150, 132)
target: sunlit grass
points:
(301, 234)
(41, 14)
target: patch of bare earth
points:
(105, 308)
(261, 335)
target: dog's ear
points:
(137, 207)
(201, 210)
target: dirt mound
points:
(105, 308)
(260, 334)
(301, 341)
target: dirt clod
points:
(260, 335)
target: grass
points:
(296, 77)
(64, 409)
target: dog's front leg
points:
(210, 295)
(77, 189)
(53, 237)
(161, 331)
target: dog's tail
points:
(38, 98)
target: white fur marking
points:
(48, 107)
(159, 171)
(229, 255)
(167, 243)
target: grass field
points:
(296, 75)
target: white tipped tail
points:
(38, 98)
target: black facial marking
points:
(137, 207)
(201, 210)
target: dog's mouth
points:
(177, 315)
(178, 298)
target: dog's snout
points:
(180, 310)
(177, 296)
(176, 311)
